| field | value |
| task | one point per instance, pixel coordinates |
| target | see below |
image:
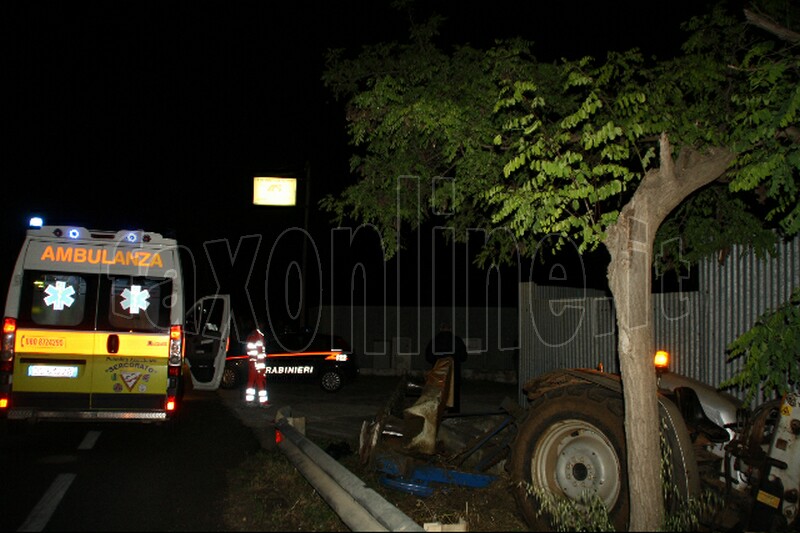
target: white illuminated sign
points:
(274, 191)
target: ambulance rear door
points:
(131, 350)
(55, 339)
(207, 329)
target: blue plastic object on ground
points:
(419, 479)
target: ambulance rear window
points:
(139, 303)
(54, 299)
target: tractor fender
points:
(719, 407)
(540, 385)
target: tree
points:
(601, 153)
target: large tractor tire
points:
(571, 443)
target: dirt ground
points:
(483, 509)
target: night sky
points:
(157, 115)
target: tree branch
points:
(666, 162)
(767, 24)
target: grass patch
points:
(267, 493)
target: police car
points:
(296, 357)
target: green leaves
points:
(539, 149)
(573, 163)
(771, 352)
(585, 514)
(709, 221)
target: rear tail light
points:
(174, 367)
(3, 402)
(175, 346)
(9, 336)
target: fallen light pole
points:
(360, 508)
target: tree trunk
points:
(630, 244)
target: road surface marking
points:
(89, 440)
(41, 514)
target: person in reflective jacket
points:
(256, 391)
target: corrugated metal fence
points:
(567, 327)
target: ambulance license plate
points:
(52, 371)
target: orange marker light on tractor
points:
(661, 360)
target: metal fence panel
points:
(563, 327)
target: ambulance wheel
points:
(230, 378)
(331, 381)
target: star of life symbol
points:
(135, 299)
(59, 295)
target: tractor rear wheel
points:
(572, 444)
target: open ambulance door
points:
(207, 327)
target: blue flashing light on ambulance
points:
(94, 328)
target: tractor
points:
(569, 441)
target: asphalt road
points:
(64, 476)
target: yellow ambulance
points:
(94, 328)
